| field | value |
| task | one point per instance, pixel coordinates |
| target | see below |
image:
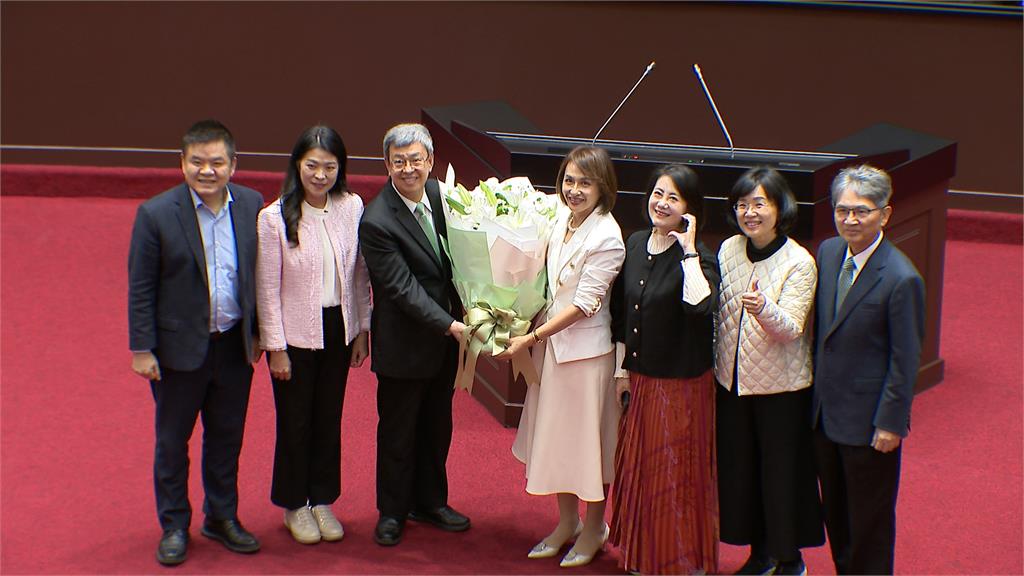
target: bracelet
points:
(538, 339)
(691, 255)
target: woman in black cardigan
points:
(665, 501)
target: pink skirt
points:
(665, 497)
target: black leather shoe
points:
(445, 518)
(791, 568)
(388, 531)
(760, 566)
(173, 547)
(231, 534)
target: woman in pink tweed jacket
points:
(313, 303)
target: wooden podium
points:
(487, 139)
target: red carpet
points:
(76, 487)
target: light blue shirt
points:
(221, 262)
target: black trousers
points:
(219, 391)
(307, 456)
(767, 489)
(414, 432)
(858, 487)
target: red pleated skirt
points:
(665, 496)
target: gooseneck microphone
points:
(605, 125)
(721, 123)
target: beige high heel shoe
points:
(544, 550)
(574, 558)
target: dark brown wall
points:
(137, 74)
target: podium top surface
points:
(789, 160)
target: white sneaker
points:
(302, 525)
(330, 528)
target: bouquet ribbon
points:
(492, 326)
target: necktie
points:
(845, 281)
(428, 227)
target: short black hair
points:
(685, 181)
(775, 188)
(208, 131)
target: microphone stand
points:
(721, 123)
(616, 111)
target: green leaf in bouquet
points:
(503, 206)
(464, 195)
(491, 198)
(456, 205)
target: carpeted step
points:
(116, 182)
(979, 226)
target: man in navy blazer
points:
(413, 332)
(870, 309)
(192, 330)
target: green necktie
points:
(428, 228)
(845, 281)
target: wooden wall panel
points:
(137, 74)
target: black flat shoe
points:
(173, 547)
(232, 535)
(445, 518)
(388, 531)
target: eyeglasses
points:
(742, 207)
(860, 212)
(416, 162)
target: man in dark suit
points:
(413, 334)
(192, 329)
(869, 328)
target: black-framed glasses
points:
(859, 212)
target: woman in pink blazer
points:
(569, 424)
(313, 303)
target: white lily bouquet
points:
(497, 241)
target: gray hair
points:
(867, 182)
(402, 135)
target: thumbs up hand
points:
(753, 301)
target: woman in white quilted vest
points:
(768, 492)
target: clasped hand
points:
(885, 441)
(516, 345)
(145, 364)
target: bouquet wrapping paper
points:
(497, 241)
